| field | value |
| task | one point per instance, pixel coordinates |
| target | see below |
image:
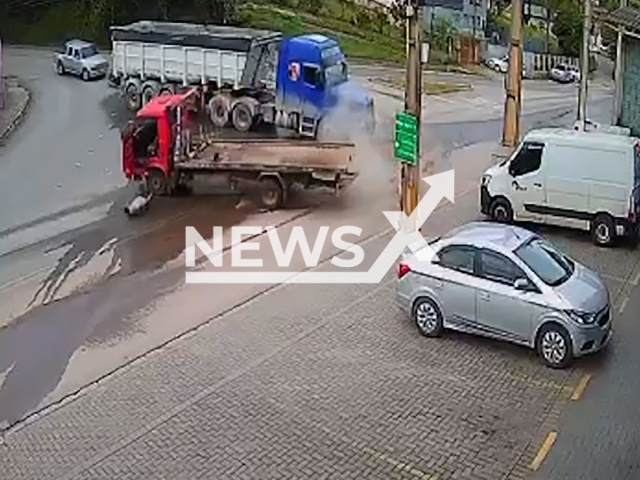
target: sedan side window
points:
(527, 160)
(458, 258)
(498, 268)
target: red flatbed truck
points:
(169, 143)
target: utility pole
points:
(584, 64)
(617, 100)
(410, 172)
(513, 85)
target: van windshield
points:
(551, 266)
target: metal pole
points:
(584, 64)
(617, 99)
(511, 125)
(410, 176)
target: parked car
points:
(505, 282)
(498, 64)
(82, 59)
(561, 73)
(575, 73)
(585, 180)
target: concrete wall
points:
(630, 112)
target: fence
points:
(536, 65)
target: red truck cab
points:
(148, 142)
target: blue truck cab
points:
(313, 86)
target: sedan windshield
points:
(551, 266)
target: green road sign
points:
(405, 146)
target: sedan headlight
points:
(485, 180)
(583, 318)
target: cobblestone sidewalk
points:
(309, 381)
(16, 103)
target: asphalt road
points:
(60, 178)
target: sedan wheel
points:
(428, 318)
(554, 346)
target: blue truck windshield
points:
(336, 73)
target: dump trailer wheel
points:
(242, 117)
(132, 97)
(149, 90)
(272, 193)
(219, 111)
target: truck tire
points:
(242, 117)
(132, 97)
(219, 111)
(149, 90)
(272, 193)
(60, 68)
(85, 75)
(166, 89)
(156, 182)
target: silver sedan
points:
(506, 282)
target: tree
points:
(398, 10)
(567, 27)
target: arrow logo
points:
(407, 236)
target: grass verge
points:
(428, 88)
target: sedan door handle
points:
(484, 296)
(539, 185)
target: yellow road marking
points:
(581, 387)
(407, 467)
(623, 305)
(544, 450)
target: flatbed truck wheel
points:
(272, 193)
(156, 182)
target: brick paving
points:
(310, 381)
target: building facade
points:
(467, 16)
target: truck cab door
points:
(128, 152)
(67, 58)
(313, 87)
(76, 61)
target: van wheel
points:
(501, 211)
(554, 346)
(603, 230)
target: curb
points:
(21, 114)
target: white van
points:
(584, 180)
